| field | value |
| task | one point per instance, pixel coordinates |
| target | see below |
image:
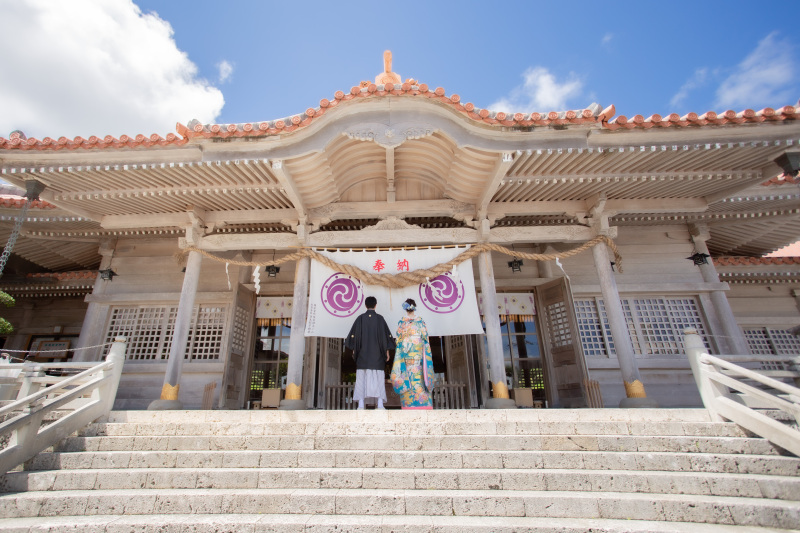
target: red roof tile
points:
(20, 142)
(17, 202)
(783, 179)
(410, 88)
(62, 276)
(709, 118)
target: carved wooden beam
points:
(290, 188)
(499, 172)
(398, 233)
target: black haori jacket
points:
(369, 338)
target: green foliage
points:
(6, 299)
(5, 326)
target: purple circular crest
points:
(442, 294)
(342, 295)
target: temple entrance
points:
(455, 384)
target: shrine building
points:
(591, 242)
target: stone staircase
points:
(524, 470)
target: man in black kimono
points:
(370, 340)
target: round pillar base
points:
(292, 405)
(638, 403)
(165, 405)
(500, 403)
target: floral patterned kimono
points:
(412, 371)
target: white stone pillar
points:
(94, 321)
(634, 388)
(494, 338)
(734, 336)
(297, 340)
(177, 351)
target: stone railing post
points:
(116, 356)
(709, 390)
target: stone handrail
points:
(23, 424)
(716, 377)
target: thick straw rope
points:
(405, 279)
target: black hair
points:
(371, 302)
(411, 305)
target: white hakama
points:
(369, 384)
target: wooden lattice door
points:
(565, 361)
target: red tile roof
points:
(782, 179)
(709, 118)
(368, 90)
(20, 142)
(754, 261)
(62, 276)
(17, 202)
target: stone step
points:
(498, 479)
(474, 503)
(593, 460)
(308, 523)
(650, 416)
(702, 429)
(641, 443)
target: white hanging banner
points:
(447, 303)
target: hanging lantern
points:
(699, 259)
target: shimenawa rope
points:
(405, 279)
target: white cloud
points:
(541, 91)
(766, 77)
(698, 79)
(607, 38)
(96, 67)
(225, 70)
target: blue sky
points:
(98, 67)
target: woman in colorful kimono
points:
(412, 371)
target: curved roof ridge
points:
(593, 114)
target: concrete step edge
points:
(599, 460)
(673, 507)
(643, 415)
(645, 482)
(299, 523)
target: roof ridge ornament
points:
(387, 76)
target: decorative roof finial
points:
(387, 76)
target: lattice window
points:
(149, 331)
(659, 335)
(206, 335)
(784, 341)
(655, 325)
(240, 330)
(758, 340)
(558, 320)
(772, 341)
(590, 329)
(143, 328)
